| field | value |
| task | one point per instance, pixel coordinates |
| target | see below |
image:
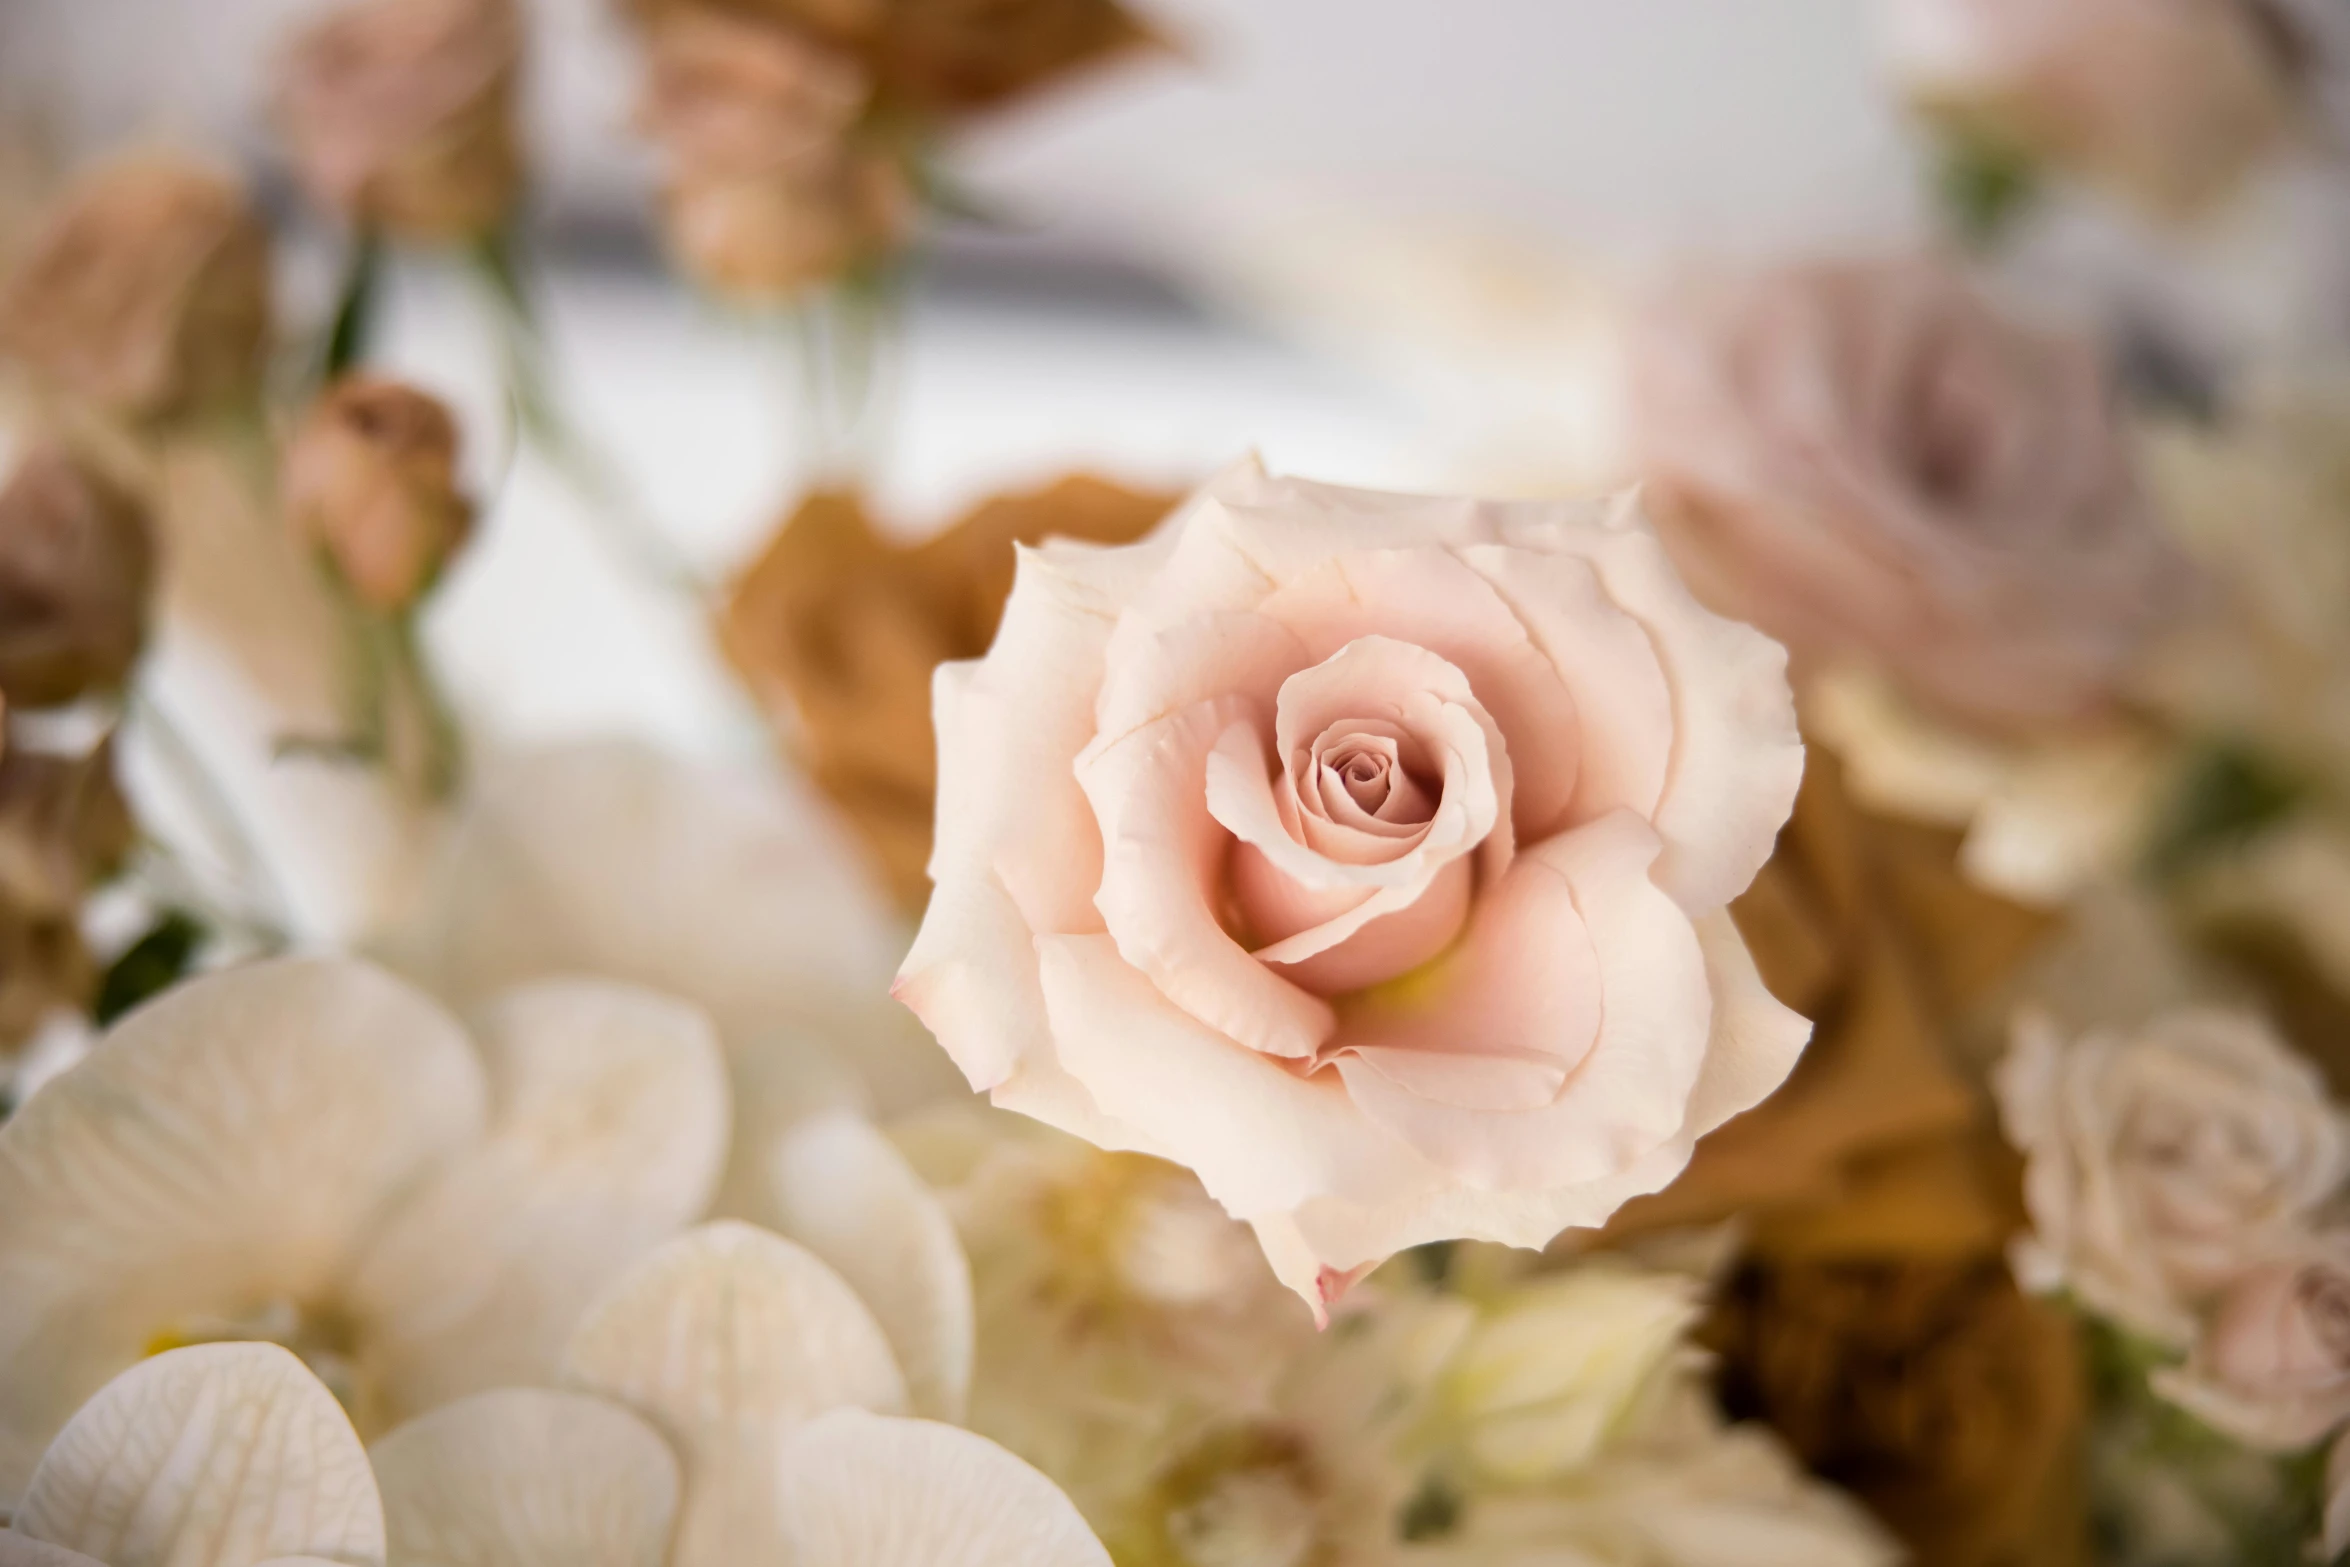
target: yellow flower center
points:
(322, 1337)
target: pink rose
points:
(1868, 461)
(1367, 854)
(2272, 1365)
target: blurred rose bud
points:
(76, 565)
(2168, 101)
(2272, 1365)
(954, 55)
(771, 188)
(1870, 462)
(146, 294)
(400, 114)
(371, 482)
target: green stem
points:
(354, 319)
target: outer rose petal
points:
(527, 1477)
(216, 1455)
(1016, 851)
(607, 1129)
(1261, 1137)
(1627, 1089)
(1737, 759)
(860, 1490)
(1754, 1046)
(225, 1145)
(725, 1338)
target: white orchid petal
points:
(838, 1188)
(608, 1124)
(725, 1338)
(721, 888)
(527, 1477)
(863, 1490)
(224, 1147)
(218, 1455)
(18, 1550)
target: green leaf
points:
(1984, 186)
(153, 964)
(354, 318)
(2225, 794)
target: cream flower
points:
(2272, 1364)
(610, 858)
(1367, 855)
(1117, 1304)
(1556, 1367)
(217, 1455)
(2161, 1163)
(1871, 463)
(1729, 1499)
(310, 1152)
(731, 1400)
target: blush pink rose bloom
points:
(1367, 854)
(2271, 1366)
(1869, 461)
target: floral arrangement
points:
(1793, 1011)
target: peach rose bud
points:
(400, 114)
(371, 482)
(145, 294)
(1368, 854)
(772, 188)
(77, 563)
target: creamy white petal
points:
(608, 1123)
(725, 1338)
(527, 1477)
(224, 1148)
(218, 1455)
(863, 1490)
(18, 1550)
(839, 1188)
(721, 888)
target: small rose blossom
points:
(1869, 462)
(771, 188)
(1367, 854)
(371, 481)
(2271, 1367)
(2162, 1163)
(400, 114)
(77, 564)
(2169, 101)
(146, 293)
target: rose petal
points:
(210, 1456)
(1627, 1092)
(607, 1128)
(1427, 598)
(1737, 758)
(227, 1145)
(862, 1490)
(527, 1477)
(1161, 879)
(1261, 1137)
(1754, 1046)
